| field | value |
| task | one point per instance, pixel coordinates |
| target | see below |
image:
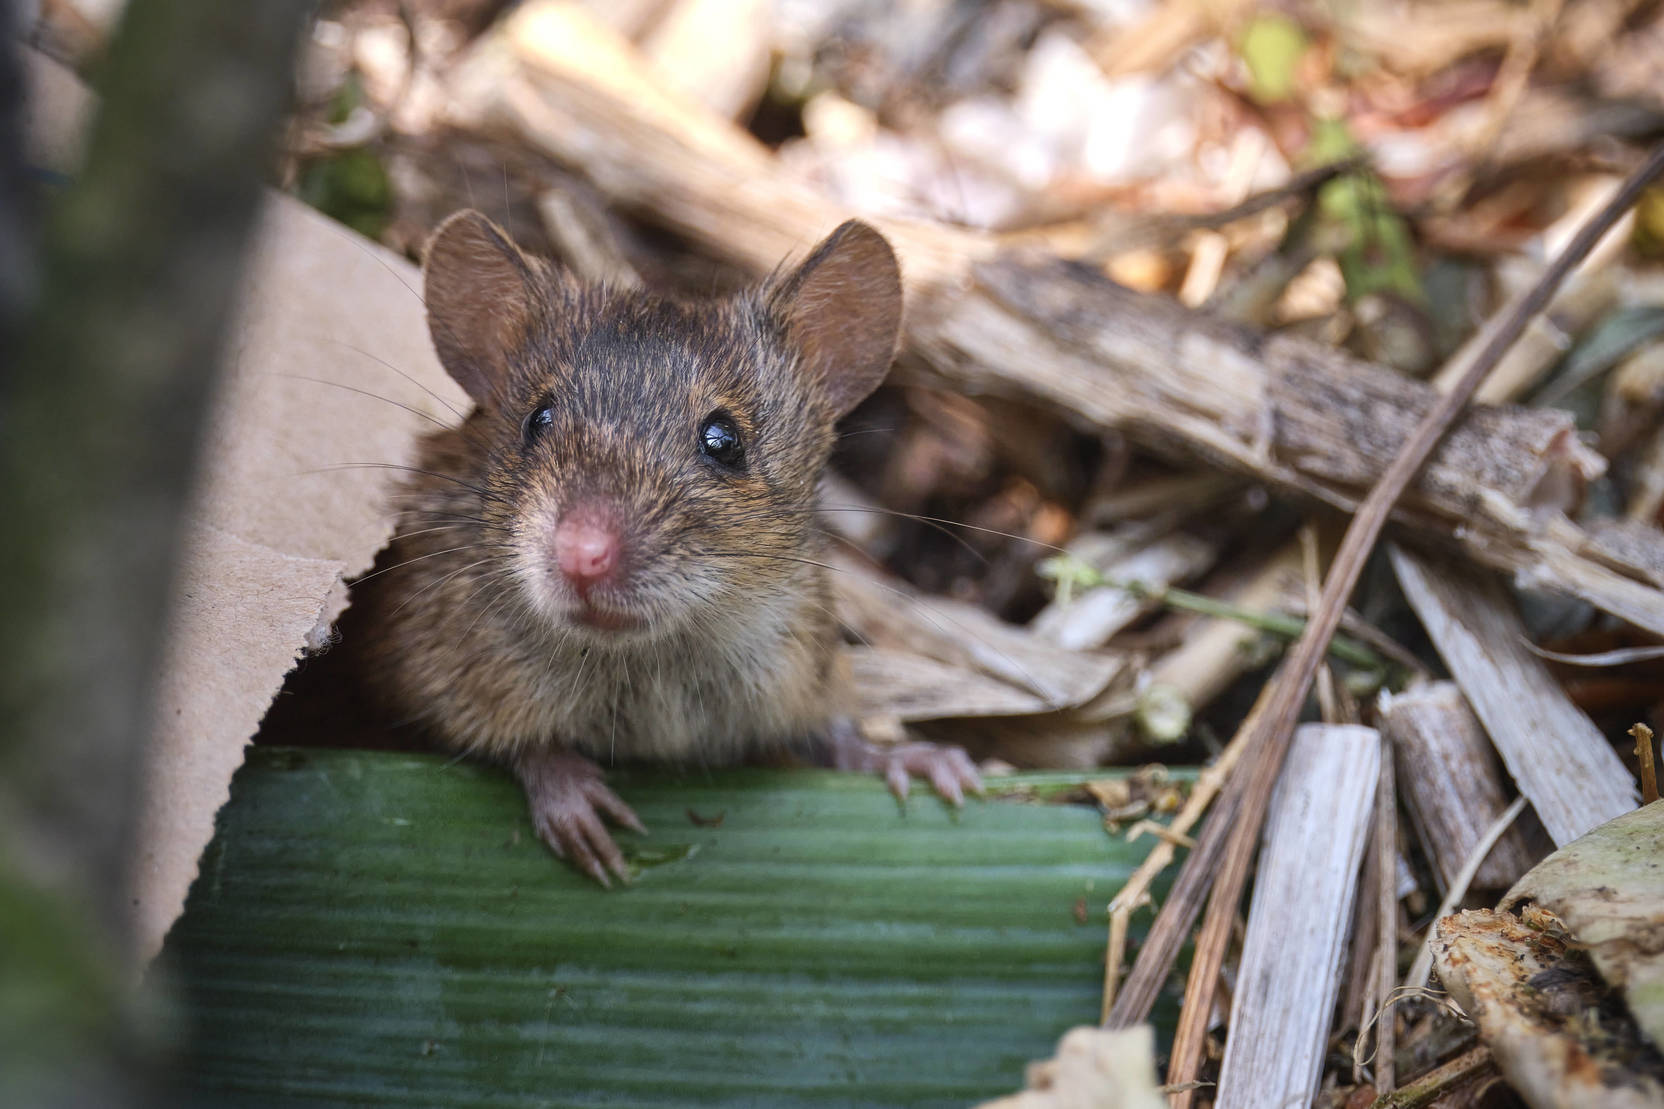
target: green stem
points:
(1280, 624)
(1069, 573)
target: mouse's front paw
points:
(949, 770)
(568, 798)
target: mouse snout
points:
(587, 549)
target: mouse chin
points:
(605, 619)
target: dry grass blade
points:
(1271, 737)
(1426, 1089)
(1131, 1004)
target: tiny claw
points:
(944, 781)
(604, 846)
(614, 808)
(592, 867)
(899, 781)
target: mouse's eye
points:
(540, 420)
(719, 441)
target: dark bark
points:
(17, 261)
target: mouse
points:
(614, 556)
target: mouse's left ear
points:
(842, 310)
(483, 299)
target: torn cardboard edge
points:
(320, 400)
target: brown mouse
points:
(614, 556)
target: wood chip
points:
(1300, 916)
(889, 614)
(910, 687)
(1608, 888)
(1449, 775)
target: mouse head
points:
(653, 463)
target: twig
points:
(1311, 577)
(1133, 1004)
(1119, 918)
(1161, 832)
(1386, 931)
(1429, 1086)
(1110, 239)
(1649, 773)
(1271, 735)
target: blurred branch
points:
(99, 423)
(16, 245)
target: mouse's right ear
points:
(483, 300)
(842, 308)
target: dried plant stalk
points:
(1386, 922)
(1448, 774)
(1093, 617)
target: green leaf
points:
(373, 928)
(352, 188)
(1271, 47)
(1377, 252)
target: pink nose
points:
(586, 550)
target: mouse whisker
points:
(363, 248)
(943, 526)
(435, 554)
(937, 520)
(857, 431)
(491, 580)
(440, 527)
(365, 393)
(457, 519)
(458, 413)
(935, 618)
(485, 495)
(441, 581)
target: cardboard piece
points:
(322, 397)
